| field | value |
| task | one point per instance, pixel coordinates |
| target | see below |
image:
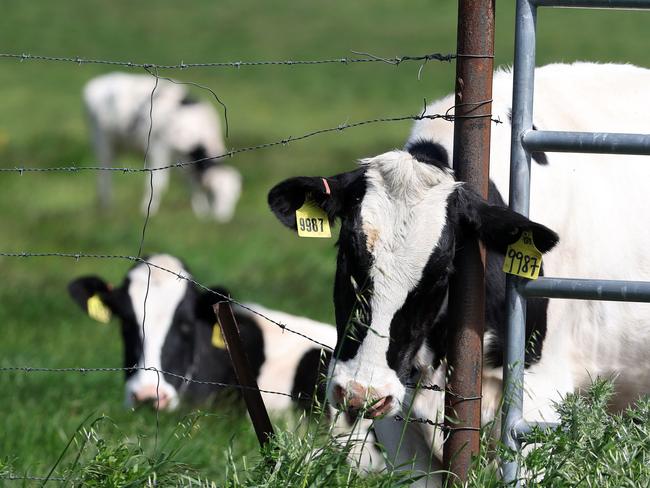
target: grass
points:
(41, 124)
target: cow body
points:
(160, 118)
(403, 215)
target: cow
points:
(176, 335)
(126, 113)
(403, 215)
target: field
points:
(42, 125)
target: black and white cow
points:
(174, 334)
(403, 215)
(182, 129)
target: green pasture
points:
(42, 125)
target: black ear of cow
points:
(207, 299)
(498, 226)
(330, 194)
(85, 287)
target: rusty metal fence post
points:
(467, 289)
(250, 390)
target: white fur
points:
(165, 294)
(118, 107)
(598, 204)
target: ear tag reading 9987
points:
(97, 310)
(217, 337)
(523, 258)
(312, 221)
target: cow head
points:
(217, 186)
(172, 334)
(402, 217)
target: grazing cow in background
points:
(175, 333)
(120, 116)
(403, 215)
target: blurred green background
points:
(42, 125)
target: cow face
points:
(402, 216)
(168, 335)
(217, 187)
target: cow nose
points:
(158, 399)
(355, 400)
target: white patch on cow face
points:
(165, 294)
(222, 185)
(403, 215)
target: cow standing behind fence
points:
(403, 215)
(159, 117)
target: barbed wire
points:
(153, 69)
(440, 425)
(189, 380)
(186, 379)
(415, 386)
(180, 276)
(28, 477)
(280, 142)
(366, 58)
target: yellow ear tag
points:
(97, 310)
(217, 338)
(523, 258)
(312, 221)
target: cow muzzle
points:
(159, 400)
(358, 401)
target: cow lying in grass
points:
(403, 215)
(177, 333)
(121, 116)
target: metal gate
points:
(525, 140)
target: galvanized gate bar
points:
(467, 288)
(586, 142)
(522, 120)
(584, 289)
(523, 428)
(619, 4)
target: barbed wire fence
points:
(154, 70)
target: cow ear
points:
(498, 226)
(93, 295)
(332, 194)
(206, 300)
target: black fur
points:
(309, 381)
(429, 152)
(202, 158)
(189, 100)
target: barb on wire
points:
(367, 58)
(180, 276)
(415, 386)
(187, 379)
(281, 142)
(202, 87)
(440, 425)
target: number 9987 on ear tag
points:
(312, 221)
(523, 258)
